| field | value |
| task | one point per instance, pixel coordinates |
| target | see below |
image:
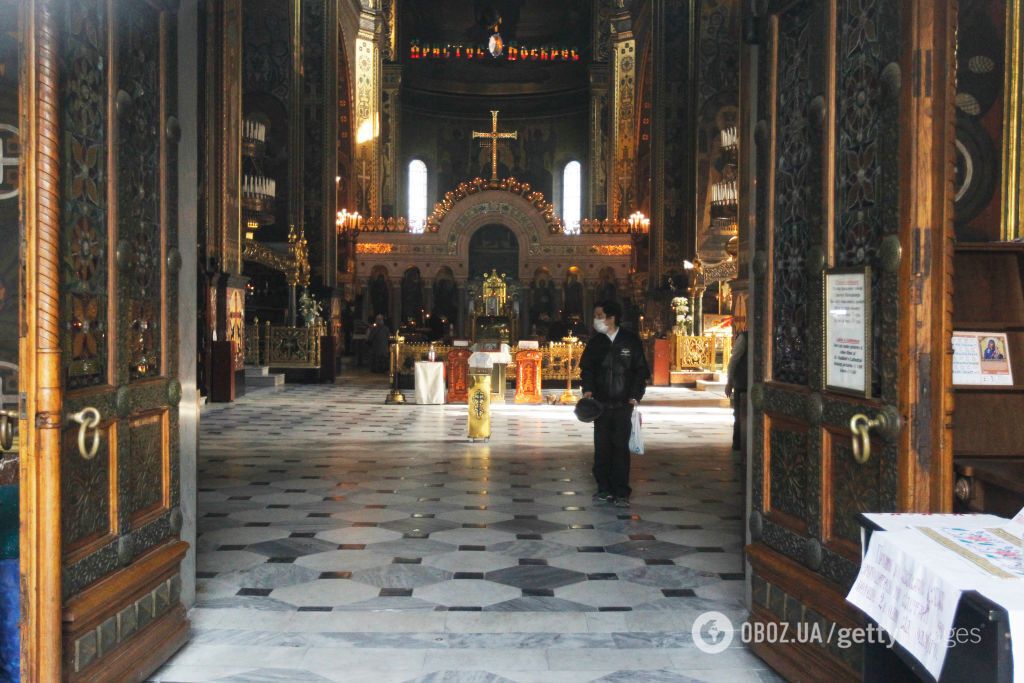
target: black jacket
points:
(614, 372)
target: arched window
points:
(572, 197)
(417, 195)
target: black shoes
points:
(605, 497)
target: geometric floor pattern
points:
(344, 540)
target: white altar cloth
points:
(502, 354)
(429, 383)
(911, 585)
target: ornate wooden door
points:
(101, 516)
(851, 150)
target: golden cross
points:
(494, 136)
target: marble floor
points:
(344, 540)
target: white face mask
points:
(601, 325)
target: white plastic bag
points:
(636, 437)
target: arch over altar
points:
(600, 252)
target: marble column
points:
(367, 110)
(188, 204)
(389, 140)
(600, 141)
(621, 178)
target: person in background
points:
(613, 371)
(377, 340)
(736, 386)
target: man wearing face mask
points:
(614, 371)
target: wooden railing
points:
(555, 357)
(707, 352)
(252, 344)
(280, 346)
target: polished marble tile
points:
(466, 593)
(608, 593)
(377, 527)
(535, 577)
(482, 561)
(401, 576)
(325, 592)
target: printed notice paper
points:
(913, 603)
(846, 325)
(915, 570)
(981, 358)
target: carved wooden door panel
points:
(827, 141)
(109, 84)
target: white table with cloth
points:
(917, 567)
(429, 382)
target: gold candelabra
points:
(395, 396)
(568, 397)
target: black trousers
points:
(739, 414)
(611, 450)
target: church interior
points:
(295, 296)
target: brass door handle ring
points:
(7, 420)
(88, 419)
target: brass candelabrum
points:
(395, 396)
(568, 397)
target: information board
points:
(848, 331)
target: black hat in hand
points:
(588, 409)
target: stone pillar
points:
(367, 111)
(296, 184)
(596, 205)
(673, 161)
(390, 119)
(622, 177)
(595, 201)
(222, 102)
(188, 203)
(319, 131)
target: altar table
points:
(429, 383)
